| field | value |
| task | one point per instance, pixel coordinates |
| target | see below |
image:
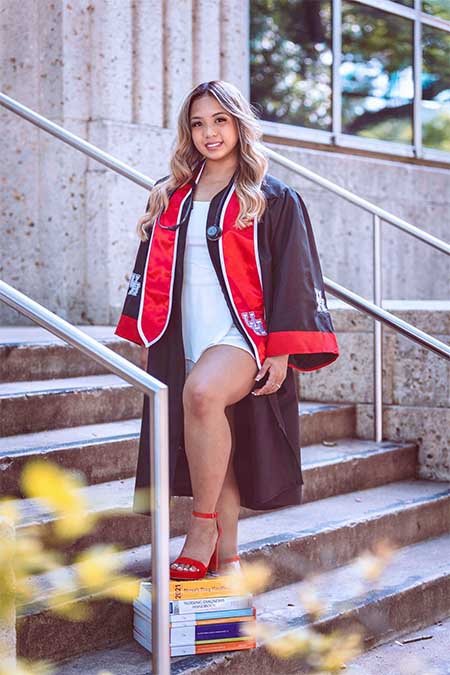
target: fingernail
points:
(254, 393)
(258, 377)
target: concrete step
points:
(326, 421)
(32, 353)
(102, 452)
(312, 537)
(349, 465)
(423, 652)
(39, 405)
(107, 450)
(413, 591)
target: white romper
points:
(206, 319)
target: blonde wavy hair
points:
(186, 158)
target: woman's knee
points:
(201, 398)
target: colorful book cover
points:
(209, 587)
(209, 604)
(203, 648)
(192, 618)
(193, 634)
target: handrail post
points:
(159, 500)
(377, 332)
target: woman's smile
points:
(213, 146)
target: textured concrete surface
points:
(51, 404)
(324, 477)
(8, 621)
(428, 654)
(406, 593)
(416, 382)
(103, 70)
(314, 537)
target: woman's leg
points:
(221, 377)
(229, 502)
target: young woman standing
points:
(227, 294)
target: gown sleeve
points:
(299, 323)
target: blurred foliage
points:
(95, 573)
(24, 560)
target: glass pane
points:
(407, 3)
(376, 74)
(437, 8)
(290, 61)
(435, 88)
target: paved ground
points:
(423, 657)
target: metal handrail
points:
(159, 426)
(380, 314)
(159, 452)
(401, 224)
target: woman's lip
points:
(215, 147)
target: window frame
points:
(335, 137)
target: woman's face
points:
(214, 131)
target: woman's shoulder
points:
(274, 188)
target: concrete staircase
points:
(54, 403)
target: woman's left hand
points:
(277, 367)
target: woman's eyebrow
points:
(197, 117)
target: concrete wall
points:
(115, 72)
(8, 619)
(416, 382)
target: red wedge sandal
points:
(202, 569)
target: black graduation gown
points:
(267, 457)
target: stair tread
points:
(57, 385)
(35, 335)
(118, 494)
(426, 559)
(69, 436)
(339, 590)
(105, 431)
(293, 523)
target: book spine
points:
(186, 635)
(197, 616)
(209, 604)
(205, 648)
(215, 587)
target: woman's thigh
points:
(222, 373)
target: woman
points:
(227, 294)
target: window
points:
(376, 74)
(436, 88)
(359, 86)
(291, 60)
(439, 8)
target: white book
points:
(142, 610)
(203, 604)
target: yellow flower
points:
(61, 491)
(252, 578)
(96, 566)
(9, 509)
(124, 588)
(310, 600)
(371, 564)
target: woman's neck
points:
(218, 172)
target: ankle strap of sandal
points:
(198, 514)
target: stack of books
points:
(205, 616)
